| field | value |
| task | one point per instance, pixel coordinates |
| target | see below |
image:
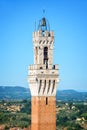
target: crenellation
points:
(42, 67)
(39, 33)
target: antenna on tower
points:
(43, 12)
(35, 25)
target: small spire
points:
(35, 25)
(43, 12)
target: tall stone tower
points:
(43, 79)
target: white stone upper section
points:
(40, 41)
(43, 76)
(43, 82)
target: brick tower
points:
(43, 79)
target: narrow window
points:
(46, 100)
(46, 55)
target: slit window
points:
(46, 100)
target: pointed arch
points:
(45, 55)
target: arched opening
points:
(46, 56)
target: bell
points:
(43, 22)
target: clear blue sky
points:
(68, 19)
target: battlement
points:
(40, 33)
(42, 67)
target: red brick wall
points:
(43, 113)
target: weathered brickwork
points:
(43, 113)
